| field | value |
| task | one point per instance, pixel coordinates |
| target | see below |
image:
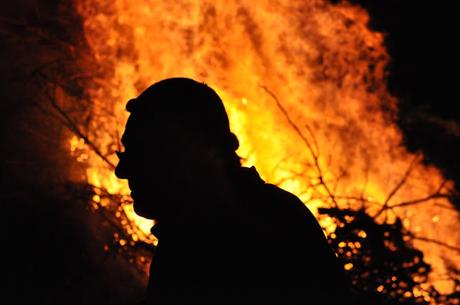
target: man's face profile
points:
(136, 164)
(175, 141)
(160, 161)
(151, 162)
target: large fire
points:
(304, 85)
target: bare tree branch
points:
(434, 241)
(397, 187)
(445, 206)
(71, 125)
(310, 147)
(420, 200)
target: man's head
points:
(177, 132)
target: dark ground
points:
(53, 253)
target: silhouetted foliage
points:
(383, 266)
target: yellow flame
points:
(317, 60)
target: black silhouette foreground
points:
(225, 236)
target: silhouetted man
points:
(225, 236)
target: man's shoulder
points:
(279, 195)
(269, 204)
(287, 204)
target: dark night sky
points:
(421, 37)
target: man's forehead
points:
(131, 131)
(139, 128)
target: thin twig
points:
(72, 126)
(437, 242)
(446, 206)
(396, 188)
(311, 149)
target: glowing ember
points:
(276, 65)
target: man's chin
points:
(142, 211)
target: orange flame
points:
(278, 65)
